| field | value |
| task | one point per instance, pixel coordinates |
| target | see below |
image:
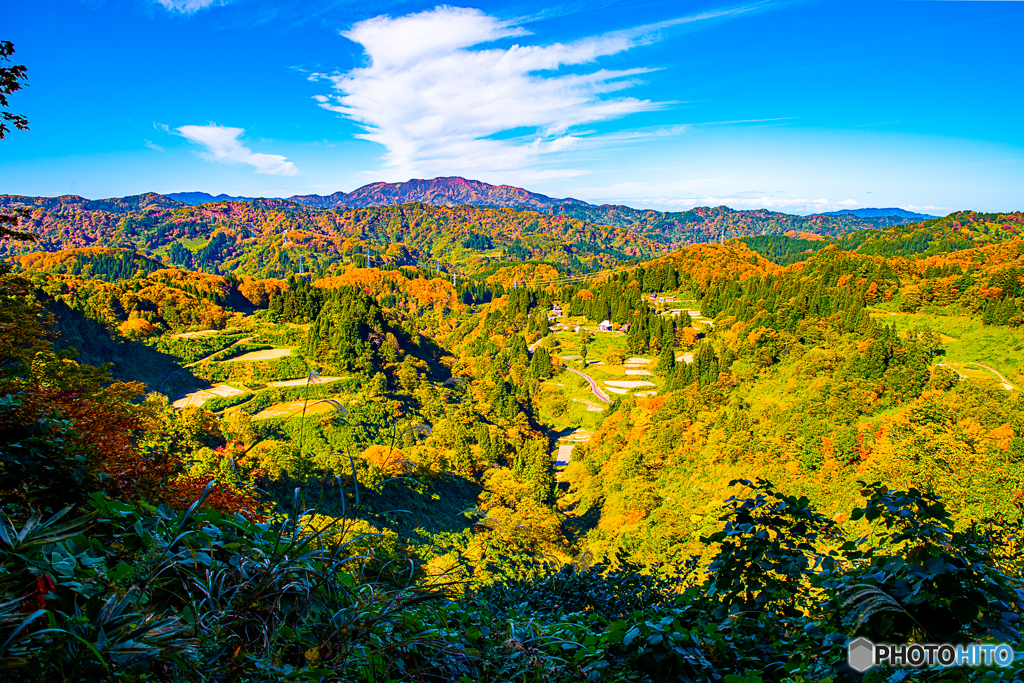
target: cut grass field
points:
(201, 396)
(302, 381)
(269, 354)
(966, 340)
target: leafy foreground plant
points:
(135, 592)
(141, 592)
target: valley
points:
(497, 419)
(730, 390)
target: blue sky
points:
(794, 106)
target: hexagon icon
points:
(860, 654)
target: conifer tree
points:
(540, 364)
(667, 360)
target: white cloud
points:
(222, 144)
(187, 6)
(849, 202)
(437, 106)
(153, 145)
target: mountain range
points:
(457, 191)
(464, 221)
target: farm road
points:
(593, 385)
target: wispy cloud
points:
(187, 6)
(153, 145)
(222, 144)
(437, 105)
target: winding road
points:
(593, 385)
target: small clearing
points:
(269, 354)
(646, 393)
(634, 384)
(302, 382)
(567, 443)
(293, 409)
(634, 371)
(637, 361)
(564, 454)
(686, 357)
(616, 390)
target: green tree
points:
(540, 364)
(532, 465)
(667, 361)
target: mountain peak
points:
(444, 191)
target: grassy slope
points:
(967, 340)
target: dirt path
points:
(1006, 382)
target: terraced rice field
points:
(269, 354)
(636, 366)
(201, 396)
(293, 409)
(591, 406)
(302, 381)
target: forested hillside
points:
(703, 224)
(720, 463)
(266, 237)
(934, 237)
(274, 237)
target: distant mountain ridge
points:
(197, 198)
(450, 191)
(879, 213)
(465, 216)
(73, 201)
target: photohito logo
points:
(862, 654)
